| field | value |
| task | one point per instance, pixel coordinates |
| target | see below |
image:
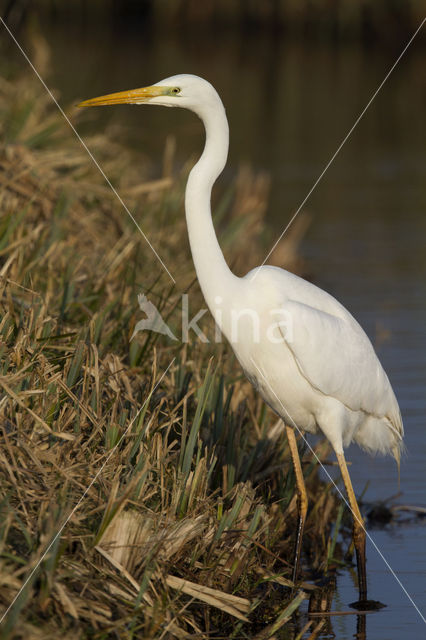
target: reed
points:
(173, 494)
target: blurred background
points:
(294, 76)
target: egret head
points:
(184, 90)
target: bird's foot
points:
(367, 605)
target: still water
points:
(289, 106)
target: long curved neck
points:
(214, 275)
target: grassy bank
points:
(167, 480)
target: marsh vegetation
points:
(145, 489)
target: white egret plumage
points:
(323, 378)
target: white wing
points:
(335, 355)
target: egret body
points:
(317, 370)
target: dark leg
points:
(359, 530)
(302, 498)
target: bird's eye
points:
(176, 90)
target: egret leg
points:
(302, 497)
(359, 530)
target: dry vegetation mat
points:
(145, 491)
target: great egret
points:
(323, 376)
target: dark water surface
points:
(289, 107)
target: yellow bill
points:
(133, 96)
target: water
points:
(289, 107)
(367, 248)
